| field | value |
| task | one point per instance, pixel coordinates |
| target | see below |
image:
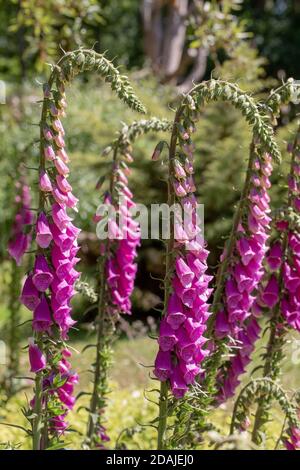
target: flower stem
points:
(163, 413)
(100, 339)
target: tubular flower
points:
(49, 288)
(181, 341)
(21, 236)
(236, 318)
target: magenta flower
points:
(30, 295)
(236, 317)
(43, 232)
(45, 182)
(42, 320)
(163, 365)
(48, 150)
(61, 167)
(270, 295)
(60, 217)
(42, 275)
(184, 273)
(274, 257)
(36, 357)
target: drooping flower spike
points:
(278, 294)
(117, 271)
(181, 335)
(236, 318)
(49, 288)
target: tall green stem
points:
(100, 339)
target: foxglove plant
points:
(245, 271)
(278, 293)
(116, 265)
(117, 269)
(49, 287)
(182, 279)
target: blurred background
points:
(164, 46)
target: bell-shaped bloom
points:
(60, 217)
(63, 184)
(175, 312)
(187, 296)
(61, 239)
(188, 166)
(59, 140)
(184, 273)
(30, 294)
(179, 189)
(42, 275)
(48, 135)
(185, 346)
(57, 126)
(45, 182)
(222, 327)
(63, 155)
(167, 337)
(291, 278)
(59, 196)
(42, 320)
(245, 250)
(178, 384)
(61, 290)
(232, 293)
(18, 246)
(49, 152)
(274, 257)
(179, 170)
(65, 398)
(189, 371)
(163, 365)
(72, 201)
(61, 167)
(37, 359)
(43, 232)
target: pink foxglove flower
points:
(181, 335)
(36, 357)
(236, 318)
(49, 288)
(43, 232)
